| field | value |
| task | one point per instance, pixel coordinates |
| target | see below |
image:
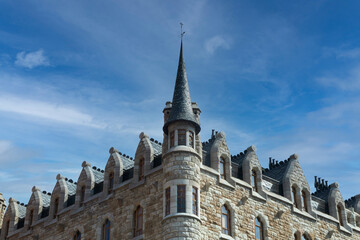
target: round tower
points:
(181, 162)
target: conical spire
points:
(181, 104)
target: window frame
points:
(181, 198)
(304, 203)
(339, 212)
(141, 168)
(167, 200)
(111, 182)
(181, 137)
(195, 200)
(56, 207)
(138, 221)
(191, 139)
(106, 230)
(31, 216)
(227, 216)
(254, 180)
(222, 168)
(260, 227)
(82, 195)
(77, 235)
(172, 139)
(294, 196)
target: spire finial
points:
(181, 31)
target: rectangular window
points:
(222, 168)
(195, 200)
(111, 182)
(191, 139)
(167, 201)
(141, 169)
(172, 139)
(181, 200)
(181, 137)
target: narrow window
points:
(195, 200)
(349, 218)
(253, 180)
(77, 235)
(293, 190)
(259, 231)
(167, 201)
(111, 182)
(138, 221)
(222, 168)
(358, 221)
(82, 195)
(106, 230)
(7, 228)
(172, 139)
(56, 206)
(181, 200)
(340, 215)
(31, 218)
(141, 169)
(191, 139)
(303, 200)
(181, 137)
(225, 220)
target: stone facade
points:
(179, 190)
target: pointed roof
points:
(181, 104)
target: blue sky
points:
(79, 77)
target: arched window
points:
(31, 216)
(111, 182)
(138, 221)
(56, 206)
(303, 200)
(339, 210)
(253, 180)
(225, 220)
(294, 196)
(106, 230)
(296, 236)
(77, 235)
(141, 169)
(222, 168)
(259, 229)
(82, 195)
(305, 237)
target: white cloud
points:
(349, 82)
(32, 59)
(48, 111)
(216, 42)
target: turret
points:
(2, 209)
(181, 162)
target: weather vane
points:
(181, 33)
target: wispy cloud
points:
(32, 59)
(47, 110)
(216, 42)
(349, 81)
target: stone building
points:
(182, 189)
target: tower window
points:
(191, 139)
(172, 139)
(82, 195)
(253, 180)
(167, 201)
(77, 235)
(296, 236)
(225, 220)
(141, 169)
(138, 221)
(222, 168)
(56, 206)
(304, 237)
(293, 191)
(181, 137)
(303, 200)
(181, 200)
(259, 231)
(111, 182)
(339, 210)
(195, 200)
(106, 230)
